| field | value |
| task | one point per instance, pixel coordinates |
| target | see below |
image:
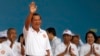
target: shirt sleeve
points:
(25, 31)
(58, 50)
(55, 44)
(75, 51)
(81, 53)
(48, 47)
(81, 42)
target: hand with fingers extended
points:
(63, 53)
(66, 50)
(71, 52)
(90, 52)
(33, 7)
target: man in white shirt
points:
(4, 49)
(77, 41)
(16, 47)
(54, 40)
(36, 39)
(66, 48)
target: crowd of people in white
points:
(35, 41)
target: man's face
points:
(49, 35)
(36, 22)
(75, 40)
(67, 38)
(12, 35)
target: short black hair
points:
(93, 33)
(9, 29)
(51, 30)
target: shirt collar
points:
(54, 38)
(40, 30)
(92, 44)
(8, 41)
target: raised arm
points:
(32, 8)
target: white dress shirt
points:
(36, 43)
(54, 43)
(5, 50)
(16, 48)
(62, 47)
(86, 48)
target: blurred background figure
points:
(66, 48)
(54, 40)
(3, 35)
(5, 50)
(98, 40)
(21, 39)
(77, 41)
(90, 48)
(12, 43)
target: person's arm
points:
(73, 51)
(48, 52)
(81, 53)
(22, 50)
(61, 54)
(32, 11)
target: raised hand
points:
(33, 8)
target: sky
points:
(77, 15)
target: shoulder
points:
(72, 44)
(57, 40)
(17, 43)
(6, 47)
(85, 46)
(43, 31)
(97, 45)
(61, 45)
(5, 42)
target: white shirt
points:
(5, 50)
(62, 47)
(80, 44)
(54, 43)
(16, 48)
(36, 44)
(86, 48)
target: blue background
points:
(77, 15)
